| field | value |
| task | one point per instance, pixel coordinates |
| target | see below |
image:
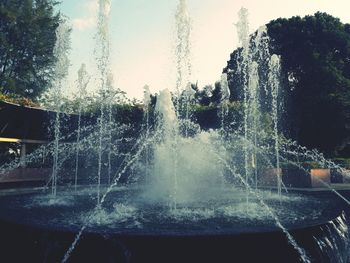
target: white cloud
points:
(142, 36)
(84, 23)
(89, 8)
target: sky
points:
(142, 36)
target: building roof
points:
(26, 124)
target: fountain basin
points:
(131, 229)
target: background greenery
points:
(315, 57)
(314, 50)
(27, 39)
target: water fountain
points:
(178, 193)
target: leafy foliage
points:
(316, 62)
(315, 53)
(12, 98)
(27, 39)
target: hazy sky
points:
(142, 34)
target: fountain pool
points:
(128, 228)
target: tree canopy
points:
(27, 39)
(315, 57)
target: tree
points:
(315, 54)
(204, 96)
(27, 39)
(315, 57)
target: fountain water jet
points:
(273, 80)
(224, 100)
(146, 103)
(61, 53)
(183, 60)
(103, 55)
(83, 81)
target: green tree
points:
(315, 53)
(204, 95)
(315, 57)
(27, 39)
